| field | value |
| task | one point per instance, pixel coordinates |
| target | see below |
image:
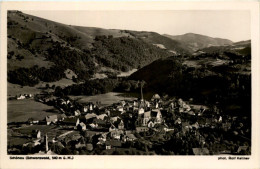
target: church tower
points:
(142, 102)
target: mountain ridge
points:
(197, 41)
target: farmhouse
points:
(51, 119)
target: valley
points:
(75, 90)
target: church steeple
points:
(142, 98)
(142, 102)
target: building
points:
(81, 126)
(121, 125)
(141, 129)
(129, 137)
(155, 116)
(113, 144)
(36, 134)
(51, 119)
(71, 121)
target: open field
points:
(105, 99)
(15, 89)
(22, 110)
(124, 74)
(206, 61)
(22, 135)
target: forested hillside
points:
(222, 77)
(41, 50)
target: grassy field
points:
(15, 89)
(124, 74)
(22, 135)
(206, 61)
(22, 110)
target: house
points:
(226, 126)
(112, 128)
(195, 125)
(147, 104)
(200, 151)
(129, 137)
(103, 137)
(113, 143)
(178, 121)
(51, 119)
(100, 123)
(102, 116)
(150, 124)
(71, 121)
(36, 134)
(168, 130)
(128, 131)
(85, 109)
(160, 127)
(114, 119)
(81, 143)
(62, 117)
(141, 129)
(77, 113)
(140, 111)
(89, 147)
(120, 108)
(32, 121)
(242, 148)
(81, 126)
(185, 127)
(192, 113)
(114, 113)
(146, 118)
(121, 125)
(156, 115)
(93, 126)
(90, 115)
(21, 97)
(155, 97)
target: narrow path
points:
(64, 134)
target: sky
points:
(230, 24)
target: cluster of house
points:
(118, 123)
(24, 96)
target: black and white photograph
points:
(129, 83)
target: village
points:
(159, 126)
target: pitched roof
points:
(101, 116)
(114, 113)
(114, 143)
(51, 118)
(156, 96)
(155, 112)
(147, 114)
(90, 115)
(131, 136)
(99, 121)
(72, 120)
(240, 148)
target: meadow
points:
(22, 110)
